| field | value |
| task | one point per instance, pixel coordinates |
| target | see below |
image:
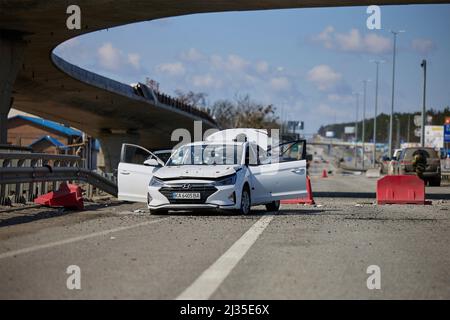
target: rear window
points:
(429, 153)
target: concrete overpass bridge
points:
(34, 80)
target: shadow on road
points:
(373, 195)
(300, 211)
(48, 213)
(356, 195)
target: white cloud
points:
(109, 56)
(423, 46)
(236, 63)
(135, 60)
(325, 37)
(172, 69)
(324, 77)
(216, 61)
(325, 109)
(232, 63)
(206, 81)
(280, 84)
(113, 59)
(377, 44)
(192, 55)
(262, 67)
(353, 41)
(342, 98)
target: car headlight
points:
(226, 181)
(155, 182)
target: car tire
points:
(435, 182)
(159, 212)
(273, 206)
(246, 202)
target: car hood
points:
(196, 172)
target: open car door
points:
(136, 168)
(281, 174)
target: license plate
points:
(186, 195)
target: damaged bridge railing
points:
(25, 176)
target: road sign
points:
(418, 132)
(447, 132)
(418, 120)
(349, 130)
(329, 134)
(434, 137)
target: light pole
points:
(356, 128)
(391, 120)
(377, 62)
(422, 136)
(364, 121)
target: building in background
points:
(26, 131)
(45, 136)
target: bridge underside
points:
(34, 28)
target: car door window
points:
(288, 152)
(134, 154)
(133, 175)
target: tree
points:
(244, 113)
(195, 99)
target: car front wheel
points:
(273, 206)
(246, 203)
(435, 182)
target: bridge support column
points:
(12, 48)
(111, 145)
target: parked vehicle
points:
(393, 163)
(432, 173)
(226, 175)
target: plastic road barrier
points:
(401, 189)
(68, 196)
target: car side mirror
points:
(152, 163)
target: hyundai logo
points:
(186, 186)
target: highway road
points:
(300, 252)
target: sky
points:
(308, 63)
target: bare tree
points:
(244, 113)
(196, 99)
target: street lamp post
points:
(356, 129)
(377, 62)
(364, 121)
(391, 120)
(422, 136)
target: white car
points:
(224, 175)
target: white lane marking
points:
(75, 239)
(208, 282)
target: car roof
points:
(201, 143)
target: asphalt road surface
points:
(300, 252)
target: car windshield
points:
(207, 154)
(427, 152)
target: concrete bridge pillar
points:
(111, 145)
(12, 48)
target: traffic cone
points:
(324, 174)
(309, 198)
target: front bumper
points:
(223, 198)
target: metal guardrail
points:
(25, 176)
